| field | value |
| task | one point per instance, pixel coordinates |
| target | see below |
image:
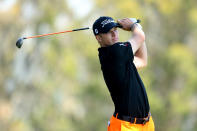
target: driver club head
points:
(19, 42)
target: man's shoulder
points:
(116, 51)
(124, 43)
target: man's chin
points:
(115, 40)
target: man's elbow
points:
(143, 65)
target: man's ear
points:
(98, 37)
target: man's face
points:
(109, 38)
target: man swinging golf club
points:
(119, 63)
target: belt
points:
(133, 120)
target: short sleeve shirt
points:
(123, 81)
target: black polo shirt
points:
(123, 81)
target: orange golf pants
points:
(120, 125)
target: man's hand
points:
(126, 24)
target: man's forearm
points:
(137, 39)
(141, 57)
(138, 36)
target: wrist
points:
(133, 26)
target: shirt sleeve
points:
(121, 53)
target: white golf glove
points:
(134, 20)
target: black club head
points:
(19, 42)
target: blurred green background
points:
(55, 83)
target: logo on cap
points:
(96, 31)
(107, 21)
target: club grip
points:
(120, 26)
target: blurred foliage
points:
(55, 83)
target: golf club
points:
(137, 21)
(19, 42)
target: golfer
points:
(119, 63)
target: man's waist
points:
(133, 120)
(133, 111)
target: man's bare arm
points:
(138, 36)
(141, 57)
(137, 41)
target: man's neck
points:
(106, 45)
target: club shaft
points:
(56, 33)
(81, 29)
